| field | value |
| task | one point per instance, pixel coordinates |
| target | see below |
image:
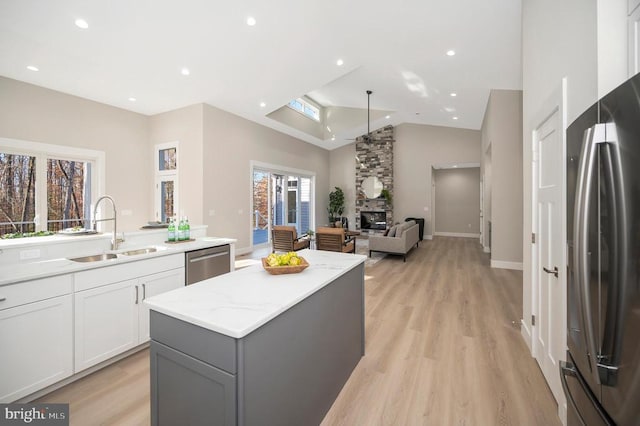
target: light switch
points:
(127, 212)
(212, 212)
(240, 211)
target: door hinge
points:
(533, 320)
(533, 238)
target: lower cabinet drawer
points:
(193, 392)
(32, 291)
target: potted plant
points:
(386, 195)
(336, 204)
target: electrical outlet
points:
(127, 212)
(240, 211)
(212, 212)
(29, 254)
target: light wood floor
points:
(443, 347)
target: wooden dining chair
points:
(285, 238)
(334, 239)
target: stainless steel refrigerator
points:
(601, 377)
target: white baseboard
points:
(427, 237)
(562, 413)
(457, 234)
(486, 249)
(526, 335)
(501, 264)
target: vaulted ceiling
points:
(138, 50)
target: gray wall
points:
(417, 149)
(457, 201)
(502, 131)
(342, 173)
(33, 113)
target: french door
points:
(280, 198)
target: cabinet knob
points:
(2, 298)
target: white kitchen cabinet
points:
(111, 319)
(106, 322)
(36, 348)
(153, 285)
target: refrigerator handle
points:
(567, 369)
(618, 246)
(592, 137)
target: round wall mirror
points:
(372, 187)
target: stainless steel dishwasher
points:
(207, 263)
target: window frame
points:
(166, 176)
(44, 151)
(306, 104)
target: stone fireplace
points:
(374, 158)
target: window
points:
(166, 181)
(46, 187)
(17, 193)
(306, 108)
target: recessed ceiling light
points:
(339, 62)
(262, 104)
(455, 166)
(451, 52)
(185, 71)
(251, 21)
(453, 94)
(455, 118)
(387, 117)
(32, 68)
(132, 99)
(81, 23)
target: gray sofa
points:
(400, 239)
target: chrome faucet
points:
(114, 240)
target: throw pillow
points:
(392, 231)
(400, 230)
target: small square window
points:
(167, 159)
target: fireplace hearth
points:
(373, 220)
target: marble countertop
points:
(237, 303)
(12, 274)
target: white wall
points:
(33, 113)
(457, 204)
(417, 149)
(559, 39)
(230, 143)
(184, 125)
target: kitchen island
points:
(249, 348)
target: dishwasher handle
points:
(209, 256)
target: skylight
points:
(304, 107)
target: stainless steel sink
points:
(145, 250)
(95, 258)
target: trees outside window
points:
(45, 187)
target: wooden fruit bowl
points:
(279, 270)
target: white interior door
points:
(548, 276)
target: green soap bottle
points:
(181, 230)
(187, 229)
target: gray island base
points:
(288, 371)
